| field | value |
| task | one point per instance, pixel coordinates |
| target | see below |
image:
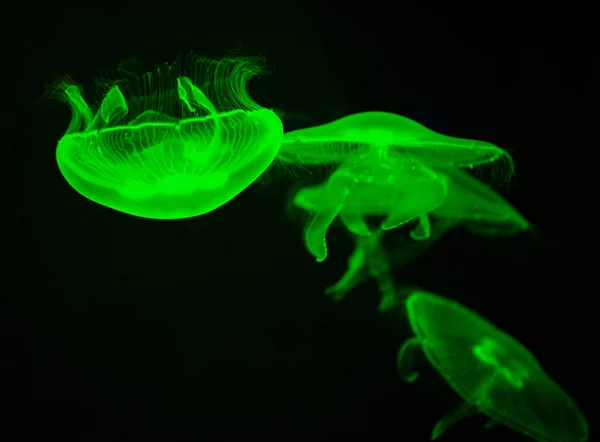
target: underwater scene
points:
(276, 222)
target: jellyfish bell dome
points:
(492, 372)
(177, 142)
(333, 142)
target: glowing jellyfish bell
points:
(492, 372)
(177, 142)
(333, 142)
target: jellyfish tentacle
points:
(316, 230)
(379, 269)
(405, 360)
(355, 223)
(196, 100)
(357, 270)
(398, 217)
(423, 229)
(193, 97)
(387, 287)
(335, 194)
(463, 411)
(113, 106)
(416, 204)
(356, 263)
(81, 109)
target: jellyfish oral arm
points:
(416, 204)
(113, 106)
(193, 97)
(355, 274)
(81, 110)
(316, 230)
(196, 100)
(463, 411)
(368, 260)
(405, 360)
(355, 223)
(387, 288)
(379, 269)
(423, 229)
(333, 197)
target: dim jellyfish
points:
(334, 142)
(177, 142)
(399, 188)
(468, 203)
(492, 372)
(372, 258)
(478, 208)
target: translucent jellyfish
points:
(477, 207)
(334, 142)
(492, 372)
(174, 143)
(469, 203)
(400, 188)
(466, 202)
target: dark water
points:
(117, 328)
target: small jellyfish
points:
(174, 143)
(334, 142)
(492, 372)
(400, 188)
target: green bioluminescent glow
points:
(177, 142)
(492, 372)
(334, 142)
(477, 207)
(372, 259)
(398, 187)
(401, 188)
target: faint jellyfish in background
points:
(477, 207)
(468, 203)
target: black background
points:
(117, 328)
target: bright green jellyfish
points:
(334, 142)
(399, 188)
(177, 142)
(492, 372)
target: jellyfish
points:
(492, 372)
(479, 208)
(466, 202)
(177, 142)
(334, 142)
(399, 188)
